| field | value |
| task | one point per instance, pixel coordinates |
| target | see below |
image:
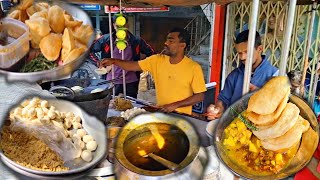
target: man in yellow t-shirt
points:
(179, 81)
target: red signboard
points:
(115, 9)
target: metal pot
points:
(95, 104)
(242, 104)
(181, 147)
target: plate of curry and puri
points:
(267, 134)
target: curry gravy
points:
(175, 148)
(245, 150)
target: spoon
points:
(170, 165)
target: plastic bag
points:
(143, 84)
(52, 136)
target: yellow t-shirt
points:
(174, 82)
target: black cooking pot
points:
(95, 104)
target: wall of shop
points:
(153, 27)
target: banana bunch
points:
(121, 34)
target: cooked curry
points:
(175, 146)
(246, 150)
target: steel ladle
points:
(170, 165)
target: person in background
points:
(136, 46)
(316, 105)
(179, 80)
(262, 71)
(295, 78)
(98, 34)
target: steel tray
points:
(91, 124)
(60, 71)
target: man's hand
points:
(168, 107)
(123, 64)
(213, 112)
(106, 62)
(252, 87)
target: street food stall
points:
(188, 139)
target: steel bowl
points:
(60, 71)
(91, 124)
(242, 104)
(191, 167)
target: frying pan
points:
(62, 89)
(95, 104)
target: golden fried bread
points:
(267, 99)
(83, 33)
(50, 46)
(56, 19)
(287, 120)
(269, 119)
(70, 22)
(39, 27)
(74, 54)
(68, 43)
(289, 138)
(25, 4)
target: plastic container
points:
(17, 45)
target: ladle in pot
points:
(170, 165)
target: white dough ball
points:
(31, 112)
(87, 138)
(86, 155)
(76, 119)
(91, 145)
(82, 144)
(51, 114)
(25, 103)
(69, 115)
(44, 104)
(76, 125)
(81, 132)
(52, 108)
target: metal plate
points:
(92, 125)
(242, 104)
(37, 176)
(60, 71)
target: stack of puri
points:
(279, 124)
(53, 30)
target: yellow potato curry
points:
(246, 150)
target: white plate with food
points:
(86, 134)
(60, 36)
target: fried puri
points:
(56, 19)
(267, 99)
(269, 119)
(50, 46)
(289, 138)
(287, 120)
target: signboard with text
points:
(90, 7)
(115, 9)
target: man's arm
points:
(126, 65)
(97, 46)
(186, 102)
